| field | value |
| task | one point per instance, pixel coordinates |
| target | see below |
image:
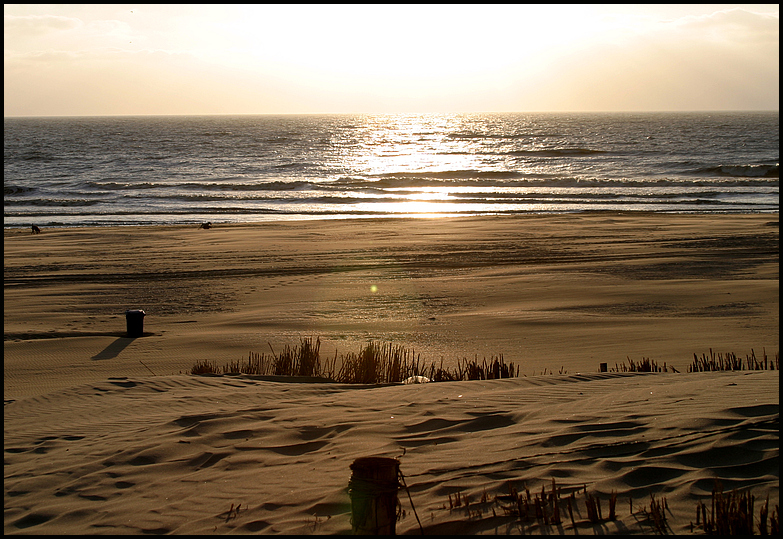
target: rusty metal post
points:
(373, 490)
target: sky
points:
(125, 59)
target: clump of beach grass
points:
(205, 367)
(645, 365)
(302, 360)
(378, 363)
(550, 507)
(732, 514)
(712, 362)
(375, 363)
(733, 362)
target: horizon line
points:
(141, 115)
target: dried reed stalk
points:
(732, 362)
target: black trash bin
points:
(135, 322)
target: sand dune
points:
(172, 454)
(108, 434)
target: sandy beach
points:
(106, 434)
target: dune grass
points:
(644, 365)
(730, 514)
(375, 363)
(733, 362)
(712, 362)
(380, 363)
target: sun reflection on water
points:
(396, 146)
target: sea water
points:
(92, 171)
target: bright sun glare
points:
(381, 44)
(348, 58)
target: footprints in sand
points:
(580, 431)
(143, 460)
(266, 439)
(292, 450)
(288, 281)
(242, 434)
(44, 445)
(123, 383)
(206, 459)
(33, 519)
(438, 431)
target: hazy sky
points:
(256, 59)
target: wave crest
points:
(743, 171)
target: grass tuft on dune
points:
(382, 363)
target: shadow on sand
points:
(114, 349)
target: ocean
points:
(98, 171)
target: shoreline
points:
(284, 218)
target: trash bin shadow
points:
(114, 349)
